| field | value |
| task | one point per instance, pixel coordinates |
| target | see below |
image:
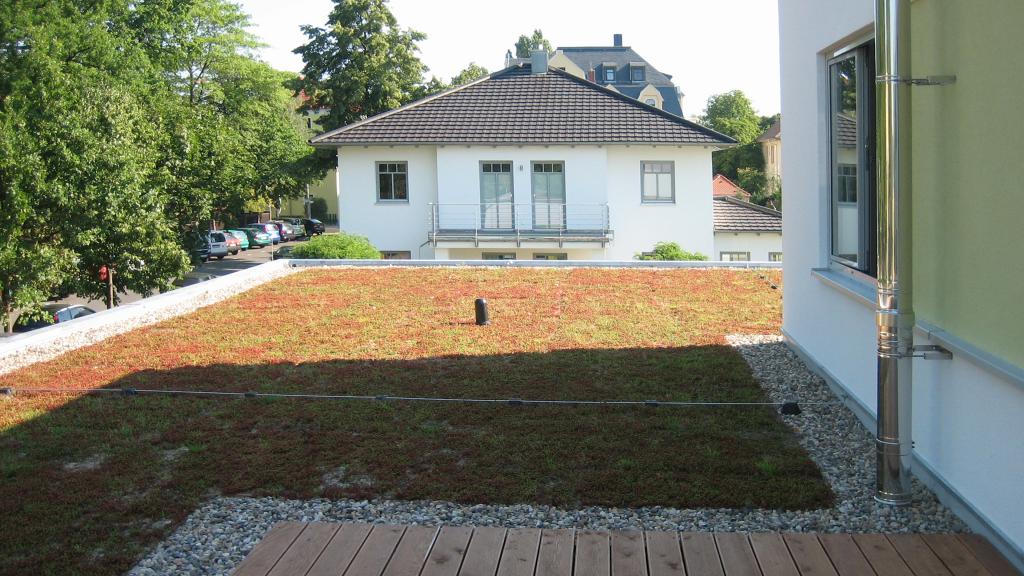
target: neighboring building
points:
(771, 149)
(746, 232)
(963, 221)
(620, 68)
(722, 186)
(526, 163)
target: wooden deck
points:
(319, 549)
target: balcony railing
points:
(506, 221)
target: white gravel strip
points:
(216, 537)
(48, 343)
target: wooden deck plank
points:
(881, 555)
(987, 554)
(261, 559)
(593, 554)
(772, 554)
(449, 549)
(664, 554)
(918, 556)
(808, 555)
(519, 557)
(957, 558)
(628, 557)
(700, 554)
(737, 555)
(340, 551)
(305, 549)
(376, 550)
(484, 552)
(411, 552)
(556, 553)
(845, 555)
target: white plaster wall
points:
(388, 225)
(639, 226)
(759, 244)
(967, 420)
(525, 253)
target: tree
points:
(362, 63)
(526, 44)
(732, 114)
(472, 72)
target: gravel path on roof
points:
(215, 538)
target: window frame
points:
(376, 178)
(657, 200)
(867, 252)
(497, 256)
(396, 254)
(633, 76)
(721, 256)
(609, 71)
(548, 256)
(775, 256)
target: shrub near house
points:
(670, 251)
(336, 246)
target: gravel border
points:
(216, 537)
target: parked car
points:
(200, 249)
(286, 231)
(192, 278)
(258, 238)
(56, 313)
(298, 227)
(313, 226)
(218, 245)
(283, 252)
(243, 238)
(234, 246)
(270, 229)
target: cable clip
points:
(129, 392)
(790, 409)
(7, 391)
(515, 402)
(251, 394)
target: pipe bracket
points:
(931, 352)
(940, 80)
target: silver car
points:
(218, 245)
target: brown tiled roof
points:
(846, 131)
(514, 106)
(774, 131)
(723, 186)
(732, 215)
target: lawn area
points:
(92, 482)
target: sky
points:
(708, 46)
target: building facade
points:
(527, 163)
(967, 274)
(746, 232)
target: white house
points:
(903, 271)
(530, 162)
(746, 232)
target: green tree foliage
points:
(362, 63)
(732, 114)
(472, 72)
(526, 44)
(670, 251)
(123, 125)
(336, 246)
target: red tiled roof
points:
(722, 186)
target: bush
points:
(670, 251)
(336, 246)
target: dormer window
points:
(609, 71)
(637, 72)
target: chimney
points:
(539, 61)
(592, 75)
(617, 40)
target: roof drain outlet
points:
(895, 312)
(539, 61)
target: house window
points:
(657, 182)
(651, 102)
(550, 256)
(395, 255)
(636, 73)
(775, 256)
(609, 74)
(734, 256)
(392, 182)
(851, 159)
(499, 255)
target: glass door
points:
(548, 195)
(496, 197)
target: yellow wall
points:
(968, 153)
(326, 189)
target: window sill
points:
(392, 202)
(657, 202)
(860, 290)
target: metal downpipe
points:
(895, 313)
